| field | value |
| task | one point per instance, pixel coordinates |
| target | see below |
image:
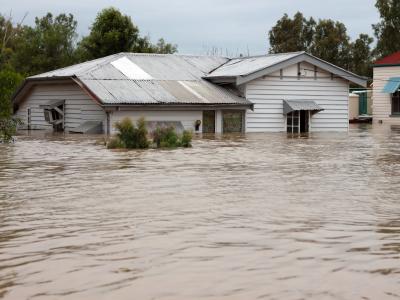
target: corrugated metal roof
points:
(247, 65)
(393, 59)
(175, 79)
(295, 105)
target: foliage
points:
(167, 137)
(362, 55)
(135, 137)
(291, 35)
(114, 143)
(331, 43)
(130, 136)
(387, 31)
(8, 128)
(325, 39)
(186, 140)
(8, 34)
(46, 46)
(9, 80)
(112, 32)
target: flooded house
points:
(386, 90)
(290, 92)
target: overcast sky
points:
(198, 25)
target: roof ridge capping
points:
(269, 54)
(242, 75)
(171, 54)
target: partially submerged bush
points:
(8, 128)
(135, 137)
(186, 140)
(129, 136)
(166, 137)
(114, 143)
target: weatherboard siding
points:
(268, 93)
(381, 102)
(79, 107)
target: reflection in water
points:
(235, 217)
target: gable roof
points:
(391, 60)
(244, 69)
(132, 79)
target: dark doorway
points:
(209, 121)
(304, 121)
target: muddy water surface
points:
(247, 217)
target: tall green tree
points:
(9, 80)
(49, 45)
(387, 31)
(112, 32)
(8, 35)
(361, 55)
(291, 35)
(331, 43)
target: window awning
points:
(295, 105)
(392, 85)
(52, 104)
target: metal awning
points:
(392, 85)
(295, 105)
(52, 104)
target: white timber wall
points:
(382, 102)
(78, 106)
(187, 118)
(268, 93)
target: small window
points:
(396, 103)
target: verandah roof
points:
(296, 105)
(392, 85)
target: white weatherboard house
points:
(386, 90)
(293, 92)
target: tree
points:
(387, 31)
(47, 46)
(9, 80)
(331, 43)
(8, 35)
(325, 39)
(361, 55)
(291, 35)
(112, 32)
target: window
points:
(298, 121)
(396, 103)
(293, 122)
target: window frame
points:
(395, 97)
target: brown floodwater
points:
(259, 216)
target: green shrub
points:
(186, 139)
(8, 128)
(114, 143)
(9, 81)
(132, 137)
(141, 134)
(166, 137)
